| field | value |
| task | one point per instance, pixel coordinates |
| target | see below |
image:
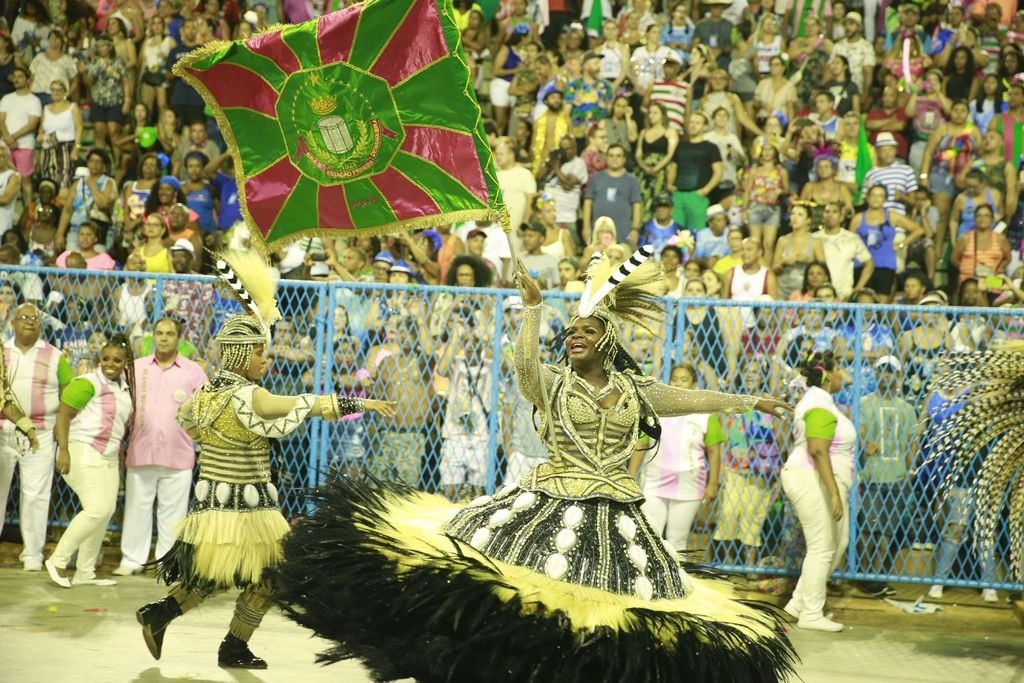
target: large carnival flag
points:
(362, 120)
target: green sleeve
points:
(146, 346)
(715, 435)
(78, 393)
(64, 372)
(821, 424)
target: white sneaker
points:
(92, 582)
(61, 581)
(989, 595)
(821, 623)
(935, 592)
(126, 570)
(32, 566)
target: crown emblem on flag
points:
(323, 104)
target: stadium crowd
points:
(810, 151)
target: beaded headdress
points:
(247, 274)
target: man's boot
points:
(154, 618)
(234, 653)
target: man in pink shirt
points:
(160, 453)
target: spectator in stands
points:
(982, 252)
(751, 278)
(877, 228)
(199, 196)
(406, 377)
(1000, 175)
(53, 63)
(183, 99)
(686, 473)
(718, 96)
(563, 175)
(897, 177)
(181, 227)
(88, 238)
(972, 332)
(976, 193)
(920, 347)
(160, 453)
(888, 118)
(92, 198)
(843, 251)
(817, 478)
(764, 186)
(132, 300)
(700, 333)
(1010, 123)
(559, 241)
(950, 147)
(615, 193)
(715, 32)
(859, 53)
(348, 434)
(647, 61)
(549, 129)
(815, 275)
(731, 151)
(542, 266)
(603, 237)
(507, 61)
(890, 438)
(671, 92)
(106, 74)
(735, 242)
(168, 193)
(196, 141)
(589, 96)
(827, 188)
(795, 251)
(10, 188)
(660, 230)
(36, 373)
(221, 174)
(190, 301)
(155, 47)
(621, 127)
(712, 243)
(518, 186)
(152, 248)
(94, 416)
(774, 94)
(695, 173)
(20, 112)
(655, 151)
(60, 134)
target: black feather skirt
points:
(515, 587)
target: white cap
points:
(715, 210)
(182, 244)
(884, 139)
(512, 303)
(319, 269)
(889, 362)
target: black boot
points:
(154, 618)
(234, 653)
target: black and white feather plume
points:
(250, 278)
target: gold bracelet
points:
(329, 407)
(24, 424)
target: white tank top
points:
(61, 125)
(748, 286)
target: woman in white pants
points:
(685, 471)
(91, 423)
(817, 478)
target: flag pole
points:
(546, 408)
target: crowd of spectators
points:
(810, 151)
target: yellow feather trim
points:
(234, 544)
(637, 299)
(259, 279)
(415, 521)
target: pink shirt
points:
(156, 437)
(97, 262)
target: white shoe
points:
(821, 623)
(92, 582)
(989, 595)
(51, 569)
(935, 592)
(32, 566)
(126, 570)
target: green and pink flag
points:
(364, 120)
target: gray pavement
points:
(90, 634)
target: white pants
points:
(36, 483)
(94, 478)
(826, 539)
(671, 518)
(169, 488)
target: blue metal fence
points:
(334, 333)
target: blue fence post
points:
(857, 385)
(493, 422)
(323, 380)
(668, 328)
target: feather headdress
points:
(978, 443)
(250, 279)
(631, 291)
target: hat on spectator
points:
(885, 139)
(476, 232)
(512, 303)
(172, 181)
(319, 269)
(715, 210)
(182, 244)
(434, 236)
(673, 56)
(910, 5)
(592, 54)
(251, 17)
(663, 199)
(401, 266)
(553, 91)
(854, 16)
(934, 297)
(534, 226)
(384, 257)
(889, 363)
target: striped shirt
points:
(103, 410)
(36, 378)
(672, 95)
(896, 177)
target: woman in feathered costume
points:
(232, 534)
(557, 577)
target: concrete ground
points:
(48, 633)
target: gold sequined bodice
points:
(229, 451)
